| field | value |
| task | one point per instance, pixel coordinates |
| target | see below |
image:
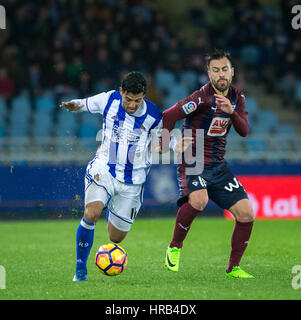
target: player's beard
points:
(222, 85)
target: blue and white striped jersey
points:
(125, 147)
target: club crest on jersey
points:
(218, 126)
(195, 182)
(189, 107)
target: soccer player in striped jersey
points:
(115, 177)
(215, 108)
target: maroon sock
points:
(240, 237)
(185, 216)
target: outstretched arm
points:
(94, 104)
(71, 106)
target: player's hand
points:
(157, 147)
(224, 103)
(71, 106)
(182, 145)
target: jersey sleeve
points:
(182, 109)
(239, 117)
(94, 104)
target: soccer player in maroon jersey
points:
(215, 108)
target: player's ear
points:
(232, 72)
(208, 72)
(120, 90)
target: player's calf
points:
(115, 234)
(85, 237)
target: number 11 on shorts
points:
(2, 277)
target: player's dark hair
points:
(134, 82)
(217, 54)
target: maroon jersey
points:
(201, 112)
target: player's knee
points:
(198, 203)
(246, 215)
(242, 211)
(92, 213)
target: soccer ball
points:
(111, 259)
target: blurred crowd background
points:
(58, 50)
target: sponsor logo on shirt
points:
(123, 135)
(189, 107)
(218, 126)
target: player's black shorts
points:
(222, 186)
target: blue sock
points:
(84, 242)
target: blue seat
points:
(21, 102)
(67, 124)
(43, 124)
(68, 97)
(285, 129)
(261, 128)
(94, 120)
(42, 132)
(256, 145)
(45, 102)
(89, 144)
(100, 86)
(251, 105)
(65, 117)
(164, 79)
(169, 101)
(250, 54)
(176, 93)
(21, 109)
(266, 121)
(269, 117)
(19, 117)
(18, 129)
(179, 91)
(87, 131)
(189, 79)
(65, 132)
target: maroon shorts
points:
(221, 184)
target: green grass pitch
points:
(39, 260)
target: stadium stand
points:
(67, 60)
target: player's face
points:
(220, 74)
(130, 101)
